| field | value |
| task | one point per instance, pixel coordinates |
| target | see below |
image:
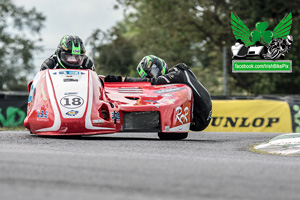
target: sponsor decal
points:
(167, 95)
(131, 90)
(42, 114)
(71, 93)
(162, 86)
(98, 121)
(69, 72)
(76, 51)
(70, 80)
(151, 96)
(115, 115)
(250, 116)
(209, 115)
(71, 101)
(64, 47)
(181, 114)
(168, 90)
(72, 112)
(167, 101)
(33, 87)
(244, 121)
(151, 101)
(32, 93)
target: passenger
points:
(154, 69)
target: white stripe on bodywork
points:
(88, 122)
(181, 128)
(57, 121)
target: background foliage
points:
(192, 31)
(16, 48)
(195, 32)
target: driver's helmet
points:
(152, 67)
(70, 51)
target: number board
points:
(71, 102)
(71, 96)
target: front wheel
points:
(172, 136)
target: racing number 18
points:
(71, 101)
(75, 101)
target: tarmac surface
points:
(140, 166)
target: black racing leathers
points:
(180, 73)
(52, 63)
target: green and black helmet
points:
(152, 67)
(70, 51)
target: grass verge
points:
(260, 151)
(16, 128)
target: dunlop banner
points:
(250, 116)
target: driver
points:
(154, 69)
(70, 54)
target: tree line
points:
(193, 32)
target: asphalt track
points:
(140, 166)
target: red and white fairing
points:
(76, 102)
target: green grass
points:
(17, 128)
(259, 151)
(264, 152)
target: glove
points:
(113, 78)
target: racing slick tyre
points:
(172, 136)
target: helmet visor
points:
(154, 72)
(71, 59)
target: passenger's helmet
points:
(70, 52)
(152, 67)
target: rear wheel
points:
(172, 136)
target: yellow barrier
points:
(250, 116)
